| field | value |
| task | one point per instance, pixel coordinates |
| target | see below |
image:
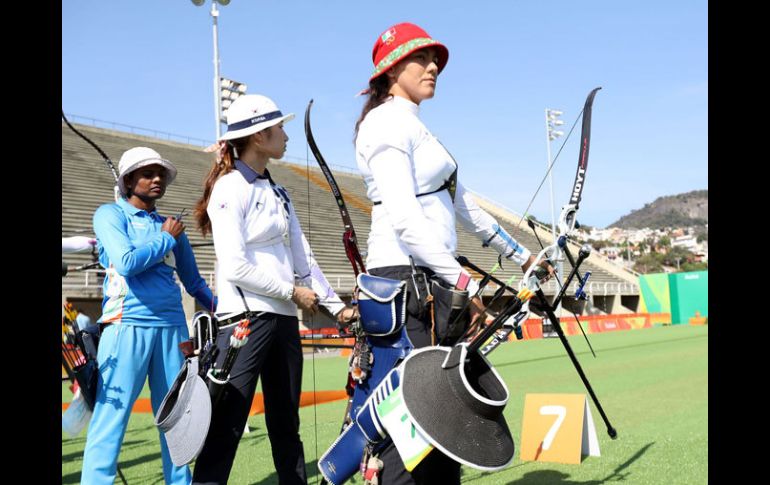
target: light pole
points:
(551, 122)
(214, 14)
(628, 253)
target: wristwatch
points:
(291, 293)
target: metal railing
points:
(336, 167)
(92, 279)
(137, 130)
(343, 283)
(88, 279)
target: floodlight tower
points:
(214, 15)
(551, 122)
(230, 91)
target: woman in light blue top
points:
(142, 316)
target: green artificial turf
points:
(652, 383)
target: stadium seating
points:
(88, 183)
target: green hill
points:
(681, 210)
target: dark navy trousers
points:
(273, 354)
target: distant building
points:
(612, 252)
(687, 241)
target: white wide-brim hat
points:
(252, 113)
(139, 157)
(184, 416)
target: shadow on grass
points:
(483, 475)
(537, 477)
(81, 438)
(71, 478)
(73, 441)
(140, 429)
(79, 453)
(554, 477)
(253, 438)
(311, 471)
(124, 465)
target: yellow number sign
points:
(557, 428)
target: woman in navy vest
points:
(262, 257)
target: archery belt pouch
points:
(223, 330)
(418, 295)
(216, 387)
(448, 304)
(87, 374)
(381, 304)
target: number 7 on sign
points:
(563, 439)
(560, 412)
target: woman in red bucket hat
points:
(412, 181)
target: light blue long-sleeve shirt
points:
(139, 288)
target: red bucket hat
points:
(398, 42)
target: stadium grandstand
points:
(88, 183)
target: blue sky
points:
(150, 64)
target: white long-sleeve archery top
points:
(400, 159)
(260, 246)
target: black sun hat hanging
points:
(456, 400)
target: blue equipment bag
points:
(382, 306)
(343, 458)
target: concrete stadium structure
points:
(88, 183)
